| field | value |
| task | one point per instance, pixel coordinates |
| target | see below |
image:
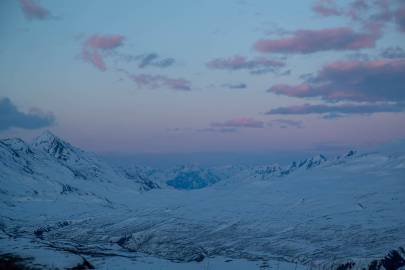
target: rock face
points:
(395, 259)
(58, 200)
(138, 175)
(312, 162)
(275, 170)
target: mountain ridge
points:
(347, 208)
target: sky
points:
(179, 76)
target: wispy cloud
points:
(160, 81)
(235, 85)
(210, 129)
(146, 60)
(95, 58)
(326, 8)
(10, 117)
(95, 46)
(377, 12)
(285, 123)
(378, 80)
(310, 41)
(333, 111)
(34, 11)
(220, 130)
(257, 65)
(104, 42)
(241, 122)
(355, 9)
(400, 17)
(153, 60)
(359, 56)
(393, 53)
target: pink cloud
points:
(378, 80)
(326, 8)
(94, 47)
(378, 12)
(243, 122)
(357, 9)
(94, 57)
(104, 42)
(309, 41)
(237, 62)
(33, 10)
(158, 81)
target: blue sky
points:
(206, 76)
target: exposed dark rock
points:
(350, 153)
(84, 265)
(123, 240)
(40, 231)
(137, 177)
(11, 262)
(199, 258)
(346, 266)
(393, 261)
(66, 189)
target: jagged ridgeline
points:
(62, 207)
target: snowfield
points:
(62, 207)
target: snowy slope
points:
(51, 169)
(58, 199)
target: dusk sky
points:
(150, 76)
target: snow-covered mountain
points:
(191, 177)
(50, 167)
(62, 207)
(275, 170)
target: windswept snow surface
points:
(61, 206)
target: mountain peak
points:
(313, 161)
(45, 137)
(52, 144)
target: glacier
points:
(65, 208)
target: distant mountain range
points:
(58, 201)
